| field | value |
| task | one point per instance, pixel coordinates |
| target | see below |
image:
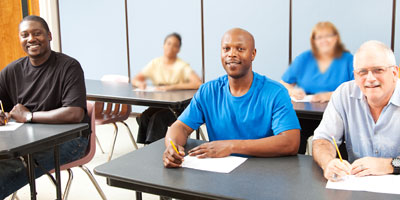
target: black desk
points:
(31, 138)
(294, 177)
(309, 110)
(123, 93)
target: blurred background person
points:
(322, 69)
(167, 72)
(319, 72)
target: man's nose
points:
(370, 75)
(232, 52)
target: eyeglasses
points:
(379, 70)
(320, 37)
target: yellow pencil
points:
(173, 146)
(337, 149)
(2, 109)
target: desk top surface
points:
(123, 93)
(293, 177)
(31, 137)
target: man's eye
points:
(379, 70)
(226, 48)
(240, 49)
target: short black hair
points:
(176, 35)
(36, 19)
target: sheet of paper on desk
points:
(382, 184)
(307, 98)
(11, 126)
(149, 88)
(221, 165)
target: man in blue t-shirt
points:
(245, 113)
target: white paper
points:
(307, 98)
(221, 165)
(381, 184)
(10, 126)
(149, 88)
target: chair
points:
(111, 113)
(91, 150)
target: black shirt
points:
(59, 82)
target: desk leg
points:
(57, 171)
(31, 175)
(138, 195)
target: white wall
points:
(268, 21)
(93, 32)
(356, 20)
(151, 21)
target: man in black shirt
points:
(43, 87)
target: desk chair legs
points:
(130, 135)
(98, 143)
(199, 133)
(99, 190)
(115, 138)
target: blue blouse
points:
(304, 72)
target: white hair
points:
(377, 46)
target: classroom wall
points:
(93, 31)
(150, 21)
(356, 20)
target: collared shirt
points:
(348, 114)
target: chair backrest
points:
(91, 149)
(109, 111)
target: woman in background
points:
(167, 72)
(319, 72)
(322, 69)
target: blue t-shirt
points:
(265, 110)
(304, 72)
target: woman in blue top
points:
(322, 69)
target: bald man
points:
(366, 112)
(244, 112)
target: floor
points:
(81, 187)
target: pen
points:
(2, 109)
(173, 146)
(337, 149)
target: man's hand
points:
(371, 166)
(171, 158)
(216, 149)
(335, 170)
(297, 93)
(19, 113)
(321, 97)
(4, 118)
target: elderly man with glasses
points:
(366, 113)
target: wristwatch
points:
(28, 117)
(396, 165)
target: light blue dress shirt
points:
(348, 114)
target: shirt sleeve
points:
(74, 89)
(291, 74)
(187, 72)
(283, 115)
(350, 67)
(331, 123)
(148, 70)
(193, 115)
